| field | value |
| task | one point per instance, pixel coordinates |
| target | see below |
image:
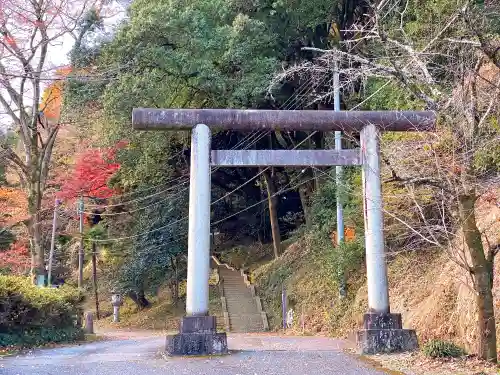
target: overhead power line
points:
(281, 191)
(218, 200)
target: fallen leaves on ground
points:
(418, 364)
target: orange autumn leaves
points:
(349, 235)
(52, 97)
(14, 208)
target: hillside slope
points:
(426, 286)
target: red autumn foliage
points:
(16, 259)
(93, 169)
(10, 41)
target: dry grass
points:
(433, 294)
(417, 364)
(162, 315)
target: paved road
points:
(250, 355)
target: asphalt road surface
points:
(250, 355)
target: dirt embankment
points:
(431, 291)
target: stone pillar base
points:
(384, 333)
(198, 336)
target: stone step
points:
(239, 296)
(234, 330)
(240, 299)
(244, 293)
(245, 327)
(240, 312)
(247, 311)
(235, 294)
(239, 281)
(239, 289)
(244, 305)
(241, 302)
(248, 317)
(241, 305)
(234, 282)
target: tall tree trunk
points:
(482, 273)
(273, 213)
(175, 283)
(35, 233)
(319, 144)
(141, 297)
(305, 192)
(304, 200)
(94, 278)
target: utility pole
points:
(94, 278)
(52, 243)
(338, 176)
(81, 254)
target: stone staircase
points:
(242, 309)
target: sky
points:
(116, 11)
(58, 55)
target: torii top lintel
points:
(305, 120)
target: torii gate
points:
(382, 330)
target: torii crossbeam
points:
(382, 331)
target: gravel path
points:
(250, 355)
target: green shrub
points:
(30, 315)
(487, 159)
(442, 349)
(30, 337)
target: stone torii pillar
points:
(382, 330)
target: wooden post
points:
(283, 305)
(303, 321)
(89, 323)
